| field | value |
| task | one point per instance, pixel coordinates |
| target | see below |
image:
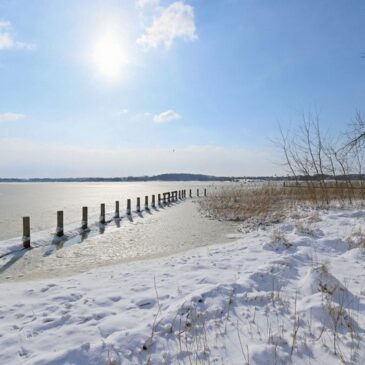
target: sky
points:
(141, 87)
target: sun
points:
(109, 55)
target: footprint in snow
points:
(146, 303)
(115, 298)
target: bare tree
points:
(356, 135)
(326, 167)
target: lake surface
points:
(159, 232)
(41, 201)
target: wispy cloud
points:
(166, 117)
(143, 3)
(4, 24)
(10, 117)
(176, 21)
(7, 39)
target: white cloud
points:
(166, 117)
(4, 24)
(7, 40)
(175, 21)
(143, 3)
(10, 117)
(22, 158)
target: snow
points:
(289, 292)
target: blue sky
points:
(134, 87)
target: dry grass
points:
(278, 239)
(272, 200)
(357, 239)
(241, 204)
(325, 193)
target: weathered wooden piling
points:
(168, 197)
(59, 229)
(26, 232)
(197, 192)
(205, 192)
(84, 218)
(138, 205)
(153, 203)
(128, 207)
(102, 213)
(116, 214)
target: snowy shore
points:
(290, 292)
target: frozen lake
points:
(160, 232)
(41, 201)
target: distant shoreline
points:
(162, 177)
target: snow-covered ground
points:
(287, 293)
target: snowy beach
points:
(292, 292)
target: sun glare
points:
(109, 56)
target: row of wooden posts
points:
(162, 199)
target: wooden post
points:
(190, 195)
(146, 202)
(197, 192)
(138, 205)
(153, 201)
(205, 192)
(84, 218)
(159, 199)
(102, 213)
(164, 198)
(129, 207)
(59, 229)
(26, 232)
(116, 215)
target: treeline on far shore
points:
(180, 177)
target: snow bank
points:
(276, 295)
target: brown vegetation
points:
(320, 172)
(273, 200)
